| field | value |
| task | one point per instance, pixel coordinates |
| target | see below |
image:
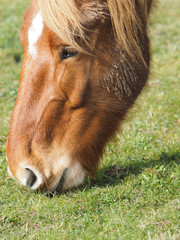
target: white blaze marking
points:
(34, 33)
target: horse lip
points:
(59, 187)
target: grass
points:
(135, 194)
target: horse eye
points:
(68, 53)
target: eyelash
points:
(68, 53)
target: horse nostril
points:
(59, 187)
(31, 178)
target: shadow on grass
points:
(112, 175)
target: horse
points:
(85, 62)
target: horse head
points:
(84, 64)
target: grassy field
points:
(136, 192)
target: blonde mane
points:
(129, 19)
